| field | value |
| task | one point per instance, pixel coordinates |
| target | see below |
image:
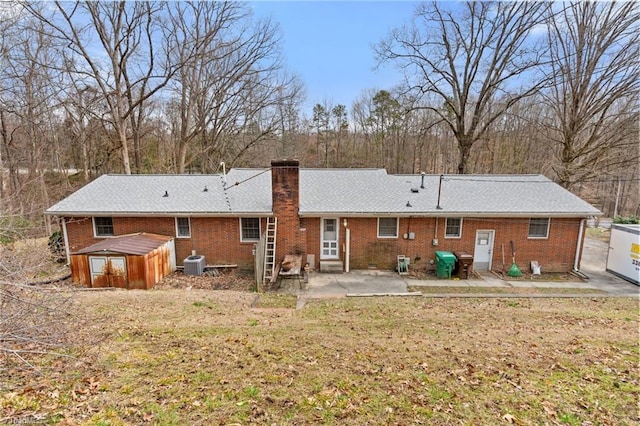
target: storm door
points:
(329, 239)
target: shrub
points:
(627, 220)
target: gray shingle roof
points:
(351, 192)
(346, 192)
(114, 195)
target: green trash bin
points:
(445, 263)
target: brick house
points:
(345, 218)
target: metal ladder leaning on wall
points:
(270, 249)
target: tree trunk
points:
(464, 146)
(122, 137)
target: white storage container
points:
(623, 258)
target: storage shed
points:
(623, 258)
(135, 261)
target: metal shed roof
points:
(136, 244)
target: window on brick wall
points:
(249, 229)
(388, 227)
(183, 227)
(103, 226)
(453, 227)
(539, 227)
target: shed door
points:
(483, 252)
(108, 271)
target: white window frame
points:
(178, 235)
(95, 227)
(250, 240)
(388, 236)
(539, 237)
(446, 225)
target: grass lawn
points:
(177, 357)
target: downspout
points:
(347, 245)
(578, 246)
(66, 241)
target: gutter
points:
(442, 213)
(160, 214)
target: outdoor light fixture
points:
(344, 222)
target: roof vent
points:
(409, 204)
(422, 181)
(415, 190)
(205, 189)
(166, 194)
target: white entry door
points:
(329, 239)
(484, 250)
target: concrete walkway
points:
(387, 283)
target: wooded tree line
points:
(178, 87)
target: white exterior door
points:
(329, 239)
(484, 250)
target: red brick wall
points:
(312, 226)
(218, 239)
(285, 177)
(555, 253)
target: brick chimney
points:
(285, 196)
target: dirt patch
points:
(428, 275)
(208, 281)
(178, 356)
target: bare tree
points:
(291, 124)
(596, 81)
(467, 58)
(29, 102)
(111, 46)
(229, 91)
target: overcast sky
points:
(329, 44)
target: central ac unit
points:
(194, 265)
